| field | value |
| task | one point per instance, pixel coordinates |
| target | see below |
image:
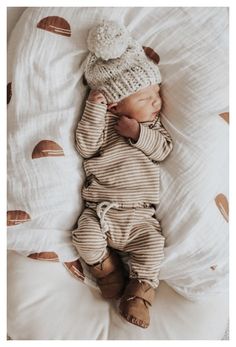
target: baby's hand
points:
(128, 127)
(97, 97)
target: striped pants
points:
(134, 231)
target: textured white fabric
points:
(46, 69)
(44, 303)
(125, 75)
(108, 40)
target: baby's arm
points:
(156, 143)
(89, 132)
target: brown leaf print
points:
(50, 256)
(47, 148)
(223, 206)
(56, 25)
(9, 92)
(151, 54)
(17, 217)
(225, 116)
(76, 269)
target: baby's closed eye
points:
(144, 99)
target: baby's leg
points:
(89, 239)
(146, 249)
(105, 265)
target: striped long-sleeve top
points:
(117, 169)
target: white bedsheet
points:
(44, 303)
(46, 97)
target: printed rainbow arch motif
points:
(151, 54)
(223, 206)
(52, 256)
(56, 25)
(225, 116)
(47, 148)
(221, 200)
(74, 267)
(17, 217)
(9, 92)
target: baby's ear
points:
(151, 54)
(112, 106)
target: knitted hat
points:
(117, 64)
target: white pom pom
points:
(108, 40)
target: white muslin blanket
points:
(46, 96)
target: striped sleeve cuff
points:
(147, 140)
(92, 109)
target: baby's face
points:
(143, 105)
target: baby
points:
(122, 141)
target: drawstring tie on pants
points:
(101, 211)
